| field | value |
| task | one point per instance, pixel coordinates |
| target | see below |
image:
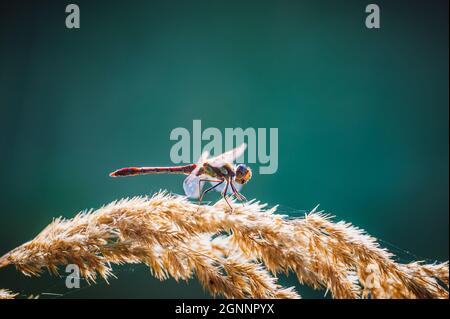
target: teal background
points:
(362, 114)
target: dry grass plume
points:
(7, 294)
(232, 254)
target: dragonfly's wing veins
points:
(203, 157)
(191, 186)
(228, 157)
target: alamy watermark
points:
(73, 17)
(262, 144)
(73, 277)
(372, 20)
(373, 17)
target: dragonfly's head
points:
(243, 174)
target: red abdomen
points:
(132, 171)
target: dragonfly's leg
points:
(200, 188)
(224, 194)
(219, 182)
(237, 194)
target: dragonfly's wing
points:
(203, 157)
(221, 187)
(191, 186)
(228, 157)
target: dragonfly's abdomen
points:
(132, 171)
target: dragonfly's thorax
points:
(226, 170)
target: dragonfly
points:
(220, 171)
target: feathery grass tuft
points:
(232, 254)
(7, 294)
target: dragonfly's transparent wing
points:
(203, 158)
(221, 187)
(228, 157)
(191, 186)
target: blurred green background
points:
(362, 114)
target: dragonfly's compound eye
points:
(243, 174)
